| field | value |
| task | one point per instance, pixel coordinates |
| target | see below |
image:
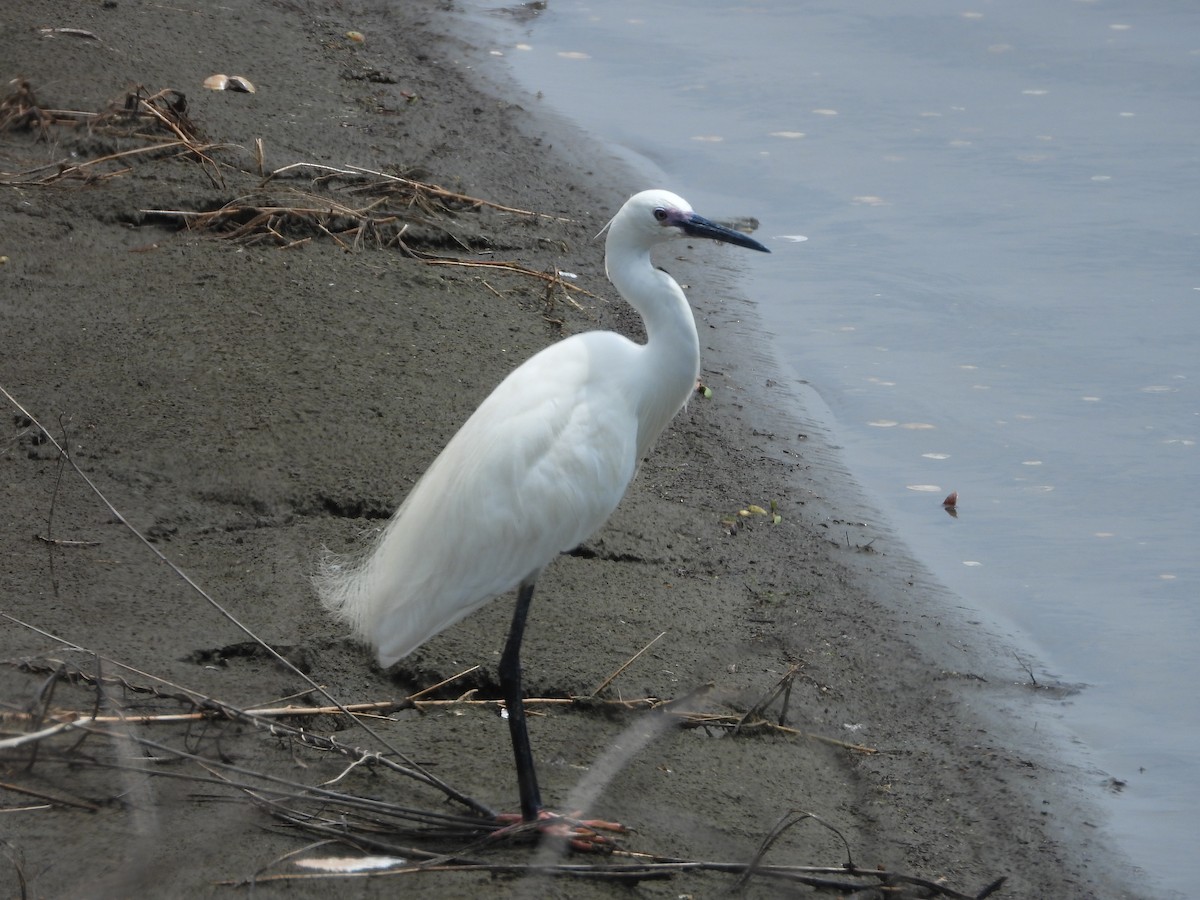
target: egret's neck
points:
(671, 356)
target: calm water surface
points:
(999, 295)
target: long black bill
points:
(698, 226)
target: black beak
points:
(698, 226)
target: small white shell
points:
(238, 83)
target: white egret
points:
(536, 469)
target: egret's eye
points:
(660, 214)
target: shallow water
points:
(999, 295)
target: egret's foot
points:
(586, 835)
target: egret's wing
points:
(538, 468)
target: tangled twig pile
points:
(157, 124)
(355, 207)
(412, 838)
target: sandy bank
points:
(243, 400)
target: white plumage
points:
(537, 468)
(540, 465)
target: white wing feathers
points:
(538, 468)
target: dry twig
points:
(157, 122)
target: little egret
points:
(536, 469)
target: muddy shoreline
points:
(245, 397)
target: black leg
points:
(510, 687)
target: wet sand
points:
(243, 401)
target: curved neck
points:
(671, 355)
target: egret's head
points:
(652, 217)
